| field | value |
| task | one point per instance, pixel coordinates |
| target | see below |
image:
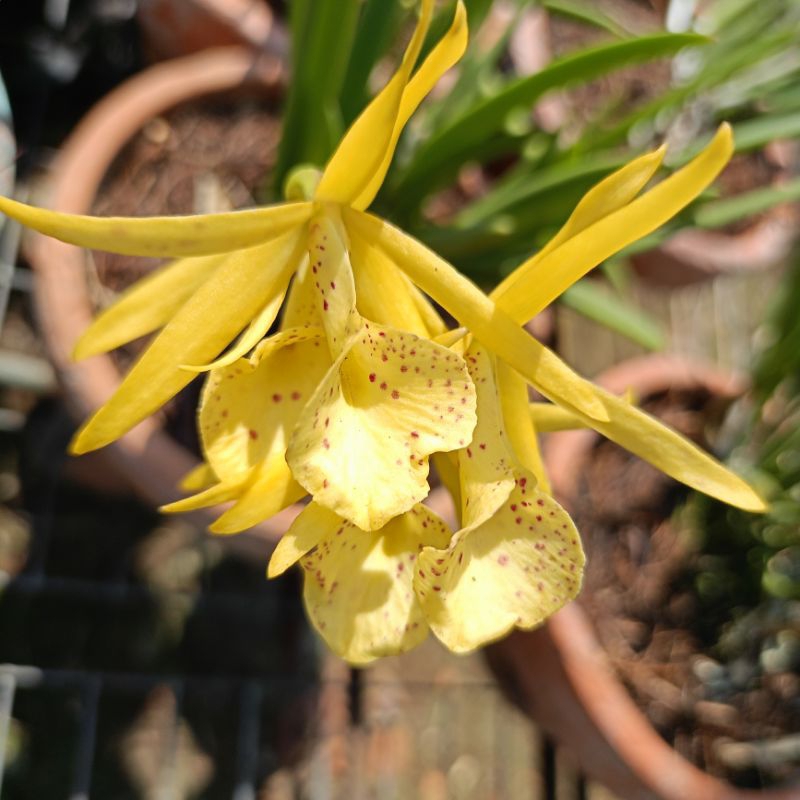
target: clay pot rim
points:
(148, 460)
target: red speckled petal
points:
(361, 446)
(512, 571)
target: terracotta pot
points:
(172, 28)
(147, 459)
(560, 674)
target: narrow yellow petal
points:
(362, 151)
(252, 335)
(486, 466)
(512, 571)
(206, 323)
(362, 443)
(248, 409)
(309, 528)
(670, 452)
(163, 237)
(358, 586)
(301, 301)
(332, 276)
(201, 477)
(540, 281)
(608, 196)
(384, 294)
(433, 322)
(444, 55)
(146, 306)
(489, 324)
(218, 493)
(518, 423)
(548, 417)
(270, 489)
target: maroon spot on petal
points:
(276, 398)
(414, 435)
(372, 377)
(437, 588)
(252, 434)
(395, 394)
(326, 444)
(518, 520)
(295, 395)
(325, 305)
(384, 386)
(513, 506)
(502, 559)
(540, 502)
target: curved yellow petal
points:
(361, 153)
(146, 306)
(252, 335)
(670, 452)
(309, 528)
(519, 426)
(218, 493)
(248, 409)
(611, 194)
(444, 55)
(473, 309)
(358, 586)
(163, 237)
(201, 477)
(361, 446)
(540, 281)
(512, 571)
(486, 466)
(205, 324)
(270, 489)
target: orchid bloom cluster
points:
(363, 383)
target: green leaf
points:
(440, 157)
(322, 38)
(614, 313)
(589, 14)
(757, 132)
(717, 213)
(377, 27)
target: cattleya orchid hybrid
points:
(363, 384)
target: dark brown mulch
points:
(641, 592)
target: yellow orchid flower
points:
(361, 442)
(517, 559)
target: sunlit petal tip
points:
(197, 479)
(214, 495)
